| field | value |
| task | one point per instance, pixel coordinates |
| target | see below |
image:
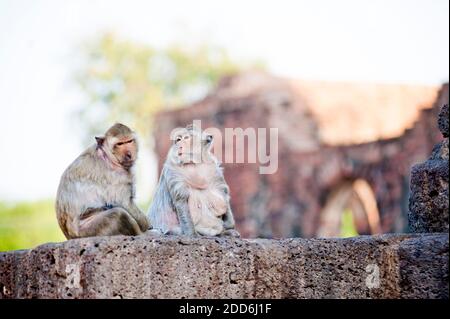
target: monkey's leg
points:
(114, 221)
(139, 216)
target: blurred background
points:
(353, 87)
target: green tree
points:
(130, 82)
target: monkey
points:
(96, 192)
(192, 197)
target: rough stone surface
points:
(429, 195)
(443, 120)
(407, 266)
(429, 199)
(318, 148)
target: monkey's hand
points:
(231, 233)
(191, 232)
(228, 223)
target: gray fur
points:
(169, 211)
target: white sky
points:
(378, 41)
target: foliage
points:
(130, 82)
(348, 228)
(27, 224)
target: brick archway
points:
(357, 196)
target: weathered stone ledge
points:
(410, 266)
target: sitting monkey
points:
(96, 192)
(192, 196)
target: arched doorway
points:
(350, 210)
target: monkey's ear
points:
(100, 140)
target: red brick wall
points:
(288, 203)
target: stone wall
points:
(429, 186)
(386, 266)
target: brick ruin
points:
(341, 145)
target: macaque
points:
(96, 192)
(192, 197)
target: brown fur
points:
(96, 192)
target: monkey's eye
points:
(126, 142)
(186, 137)
(177, 139)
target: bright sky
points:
(378, 41)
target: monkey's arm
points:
(179, 193)
(228, 219)
(228, 223)
(184, 217)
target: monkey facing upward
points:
(192, 196)
(96, 192)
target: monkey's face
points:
(119, 144)
(121, 150)
(125, 151)
(190, 147)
